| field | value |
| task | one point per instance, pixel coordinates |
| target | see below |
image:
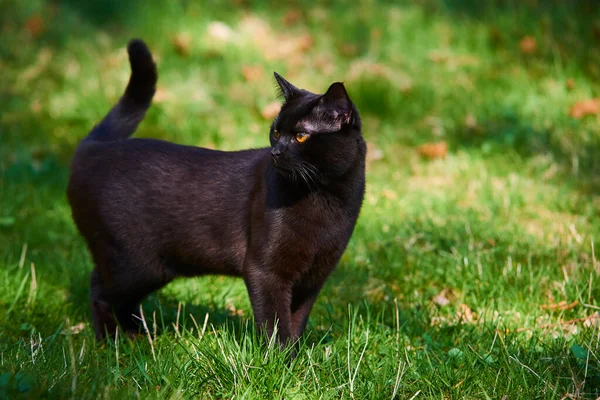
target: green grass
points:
(441, 291)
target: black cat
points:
(280, 217)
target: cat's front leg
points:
(271, 299)
(303, 299)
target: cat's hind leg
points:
(117, 292)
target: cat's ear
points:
(287, 89)
(337, 99)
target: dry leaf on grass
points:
(305, 42)
(74, 330)
(433, 150)
(465, 314)
(271, 110)
(528, 45)
(35, 26)
(292, 17)
(560, 306)
(589, 321)
(585, 107)
(252, 73)
(445, 297)
(161, 95)
(349, 49)
(219, 31)
(570, 84)
(470, 122)
(389, 194)
(374, 153)
(181, 43)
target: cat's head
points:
(316, 137)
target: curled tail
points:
(124, 117)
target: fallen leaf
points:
(220, 31)
(161, 95)
(348, 49)
(181, 43)
(292, 17)
(373, 152)
(560, 306)
(528, 45)
(389, 194)
(36, 106)
(252, 73)
(570, 84)
(35, 26)
(440, 299)
(444, 297)
(74, 330)
(376, 34)
(271, 110)
(495, 36)
(305, 42)
(465, 314)
(585, 107)
(470, 121)
(433, 150)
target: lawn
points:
(473, 271)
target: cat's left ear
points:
(287, 89)
(338, 100)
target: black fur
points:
(279, 217)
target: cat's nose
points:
(275, 153)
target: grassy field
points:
(471, 274)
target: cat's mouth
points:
(282, 167)
(297, 173)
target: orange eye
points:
(276, 135)
(302, 137)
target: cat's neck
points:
(285, 189)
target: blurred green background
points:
(472, 272)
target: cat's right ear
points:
(287, 89)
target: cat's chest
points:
(314, 223)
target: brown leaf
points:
(464, 314)
(495, 36)
(219, 31)
(376, 34)
(470, 121)
(74, 330)
(433, 150)
(570, 84)
(35, 26)
(305, 42)
(560, 306)
(528, 45)
(585, 107)
(252, 73)
(161, 95)
(373, 152)
(444, 297)
(348, 49)
(389, 194)
(271, 110)
(292, 17)
(181, 43)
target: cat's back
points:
(96, 164)
(137, 176)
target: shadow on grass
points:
(567, 147)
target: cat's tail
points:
(124, 117)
